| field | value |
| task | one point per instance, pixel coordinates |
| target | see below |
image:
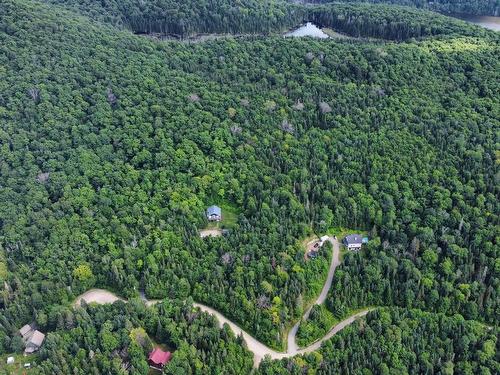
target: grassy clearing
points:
(229, 218)
(229, 215)
(343, 252)
(17, 368)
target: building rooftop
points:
(159, 357)
(37, 338)
(353, 239)
(26, 329)
(214, 210)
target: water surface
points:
(309, 29)
(489, 22)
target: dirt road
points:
(292, 344)
(102, 296)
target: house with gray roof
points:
(35, 342)
(32, 338)
(214, 213)
(353, 241)
(26, 331)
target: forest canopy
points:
(187, 18)
(477, 7)
(113, 145)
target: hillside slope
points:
(113, 145)
(182, 19)
(481, 7)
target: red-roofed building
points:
(158, 358)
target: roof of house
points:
(37, 338)
(159, 357)
(353, 239)
(25, 330)
(324, 238)
(214, 210)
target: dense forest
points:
(181, 18)
(477, 7)
(386, 22)
(112, 145)
(187, 18)
(115, 339)
(396, 341)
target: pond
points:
(489, 22)
(309, 29)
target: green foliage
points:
(386, 22)
(17, 368)
(484, 7)
(188, 17)
(4, 272)
(16, 344)
(428, 280)
(82, 272)
(83, 278)
(400, 341)
(320, 321)
(229, 220)
(140, 337)
(111, 144)
(113, 339)
(230, 216)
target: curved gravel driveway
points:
(102, 296)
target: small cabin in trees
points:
(35, 342)
(33, 339)
(158, 358)
(214, 213)
(25, 331)
(353, 242)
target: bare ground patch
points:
(210, 233)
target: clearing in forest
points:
(214, 232)
(216, 228)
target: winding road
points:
(292, 345)
(102, 296)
